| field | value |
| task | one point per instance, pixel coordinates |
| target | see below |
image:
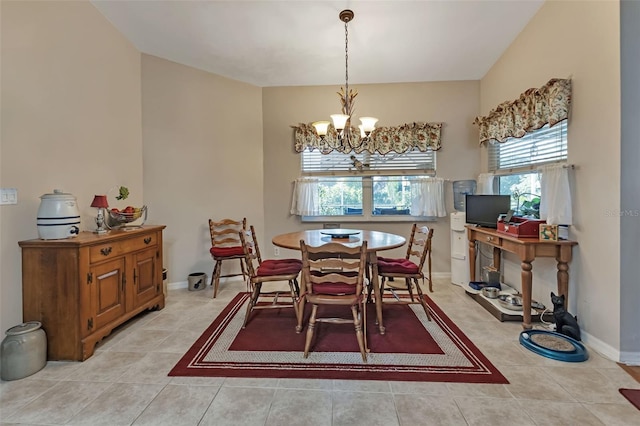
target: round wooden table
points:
(376, 241)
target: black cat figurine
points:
(566, 323)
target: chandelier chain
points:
(346, 67)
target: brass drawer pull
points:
(147, 240)
(489, 238)
(106, 251)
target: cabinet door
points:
(145, 276)
(107, 295)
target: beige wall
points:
(71, 119)
(202, 158)
(579, 40)
(453, 103)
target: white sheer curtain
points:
(485, 184)
(555, 197)
(305, 201)
(427, 197)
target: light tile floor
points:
(126, 382)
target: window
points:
(366, 186)
(391, 195)
(340, 196)
(514, 161)
(524, 189)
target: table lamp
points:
(100, 202)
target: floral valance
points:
(532, 110)
(382, 140)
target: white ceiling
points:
(301, 42)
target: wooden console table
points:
(527, 249)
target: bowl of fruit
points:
(128, 217)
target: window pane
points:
(524, 189)
(391, 195)
(340, 195)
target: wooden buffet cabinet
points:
(81, 288)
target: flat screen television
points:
(483, 210)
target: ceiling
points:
(302, 42)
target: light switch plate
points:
(8, 196)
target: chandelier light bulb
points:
(321, 127)
(368, 124)
(339, 121)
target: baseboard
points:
(185, 284)
(440, 275)
(609, 352)
(630, 358)
(177, 285)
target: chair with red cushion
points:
(268, 271)
(408, 269)
(334, 275)
(226, 245)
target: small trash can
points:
(197, 281)
(23, 351)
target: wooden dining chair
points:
(408, 269)
(226, 246)
(334, 275)
(268, 271)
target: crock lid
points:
(24, 328)
(59, 195)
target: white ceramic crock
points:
(24, 351)
(58, 216)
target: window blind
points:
(545, 145)
(337, 162)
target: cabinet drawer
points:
(490, 239)
(114, 249)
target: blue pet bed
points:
(554, 345)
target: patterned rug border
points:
(478, 370)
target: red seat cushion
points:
(279, 267)
(397, 266)
(227, 251)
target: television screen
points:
(483, 210)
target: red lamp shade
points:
(100, 201)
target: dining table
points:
(376, 241)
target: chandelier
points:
(347, 136)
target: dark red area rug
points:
(633, 395)
(412, 349)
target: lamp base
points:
(100, 231)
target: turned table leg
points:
(472, 260)
(526, 277)
(375, 281)
(563, 259)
